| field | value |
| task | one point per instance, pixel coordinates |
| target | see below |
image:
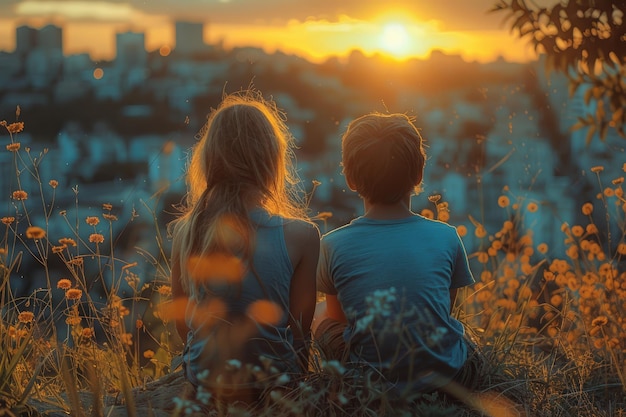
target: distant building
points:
(25, 39)
(50, 38)
(189, 38)
(130, 50)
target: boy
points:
(391, 276)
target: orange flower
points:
(13, 147)
(600, 321)
(53, 183)
(34, 232)
(16, 127)
(107, 206)
(26, 317)
(73, 294)
(532, 207)
(483, 257)
(58, 249)
(92, 220)
(428, 214)
(542, 248)
(20, 195)
(148, 354)
(461, 230)
(598, 168)
(67, 241)
(138, 323)
(64, 284)
(503, 201)
(480, 231)
(8, 220)
(87, 333)
(587, 209)
(96, 238)
(165, 290)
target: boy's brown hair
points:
(383, 157)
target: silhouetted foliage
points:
(586, 40)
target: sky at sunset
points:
(311, 28)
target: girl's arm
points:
(178, 293)
(303, 244)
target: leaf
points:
(590, 133)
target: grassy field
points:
(552, 327)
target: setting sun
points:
(395, 38)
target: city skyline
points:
(399, 29)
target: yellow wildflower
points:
(503, 201)
(148, 354)
(618, 181)
(96, 238)
(532, 207)
(577, 230)
(621, 248)
(34, 232)
(598, 168)
(87, 333)
(73, 294)
(92, 220)
(64, 284)
(428, 214)
(587, 209)
(609, 192)
(13, 147)
(58, 249)
(591, 229)
(26, 317)
(461, 230)
(20, 195)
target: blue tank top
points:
(223, 337)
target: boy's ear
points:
(349, 182)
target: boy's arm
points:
(334, 310)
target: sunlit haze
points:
(398, 29)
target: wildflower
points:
(599, 321)
(542, 248)
(53, 183)
(483, 257)
(609, 192)
(34, 232)
(92, 220)
(587, 209)
(58, 249)
(109, 217)
(532, 207)
(76, 261)
(165, 290)
(3, 251)
(63, 213)
(8, 220)
(428, 214)
(96, 238)
(443, 215)
(20, 195)
(577, 230)
(503, 201)
(434, 198)
(138, 324)
(624, 167)
(621, 248)
(596, 169)
(480, 231)
(556, 300)
(148, 354)
(461, 230)
(87, 333)
(73, 294)
(592, 229)
(26, 317)
(13, 147)
(16, 127)
(64, 284)
(127, 339)
(618, 181)
(107, 206)
(507, 225)
(67, 241)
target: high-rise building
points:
(189, 38)
(50, 37)
(25, 39)
(130, 50)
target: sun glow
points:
(395, 39)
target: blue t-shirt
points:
(223, 336)
(393, 280)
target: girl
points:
(244, 255)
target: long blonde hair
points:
(244, 157)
